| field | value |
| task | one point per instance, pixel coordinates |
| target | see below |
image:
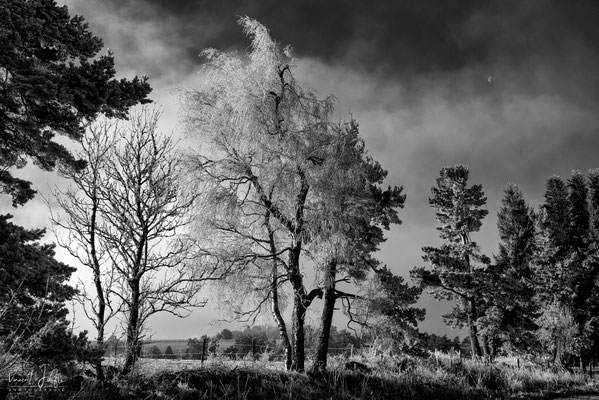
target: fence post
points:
(203, 351)
(254, 349)
(351, 351)
(518, 362)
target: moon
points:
(490, 79)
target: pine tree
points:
(155, 352)
(564, 260)
(578, 266)
(515, 223)
(578, 213)
(592, 263)
(49, 86)
(511, 273)
(593, 197)
(553, 227)
(168, 353)
(33, 292)
(457, 265)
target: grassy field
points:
(436, 377)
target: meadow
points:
(440, 376)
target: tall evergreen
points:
(565, 260)
(33, 291)
(593, 197)
(591, 304)
(456, 266)
(515, 223)
(578, 213)
(556, 208)
(579, 268)
(511, 273)
(553, 228)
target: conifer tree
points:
(52, 82)
(578, 213)
(593, 184)
(168, 353)
(564, 261)
(579, 268)
(511, 273)
(592, 263)
(456, 266)
(552, 244)
(33, 291)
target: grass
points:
(398, 377)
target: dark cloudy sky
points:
(509, 87)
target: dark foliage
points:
(52, 81)
(512, 285)
(33, 288)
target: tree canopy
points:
(53, 81)
(33, 291)
(281, 184)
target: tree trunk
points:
(485, 344)
(100, 321)
(299, 309)
(298, 334)
(100, 343)
(474, 345)
(101, 314)
(276, 312)
(133, 345)
(471, 309)
(274, 293)
(326, 319)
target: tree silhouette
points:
(52, 82)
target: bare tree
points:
(81, 223)
(127, 213)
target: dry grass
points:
(438, 377)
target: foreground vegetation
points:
(436, 377)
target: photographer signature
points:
(40, 379)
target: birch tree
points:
(284, 188)
(263, 138)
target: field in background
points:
(225, 348)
